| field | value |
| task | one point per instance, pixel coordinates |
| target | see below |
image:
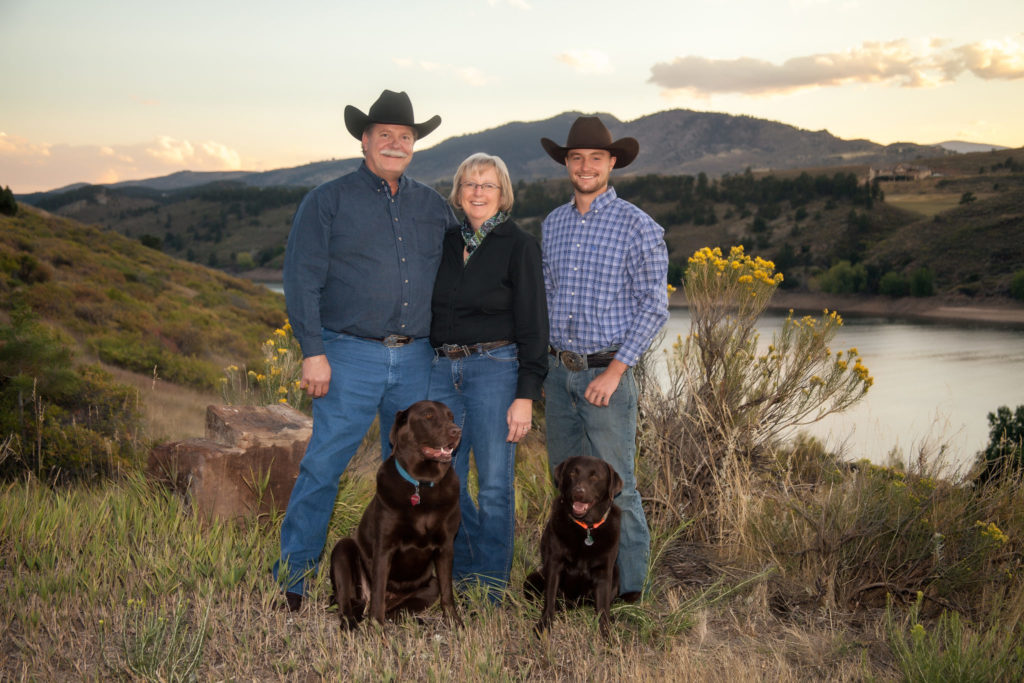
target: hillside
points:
(806, 220)
(131, 306)
(672, 142)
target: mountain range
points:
(672, 142)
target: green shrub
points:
(58, 421)
(726, 400)
(133, 352)
(844, 278)
(8, 205)
(952, 649)
(922, 282)
(1005, 451)
(1017, 285)
(893, 284)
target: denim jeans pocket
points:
(505, 354)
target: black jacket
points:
(498, 294)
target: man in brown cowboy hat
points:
(358, 275)
(605, 272)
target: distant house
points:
(900, 171)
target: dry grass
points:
(926, 203)
(95, 580)
(170, 412)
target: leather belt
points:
(391, 341)
(577, 361)
(457, 351)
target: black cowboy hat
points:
(588, 132)
(390, 107)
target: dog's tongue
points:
(579, 509)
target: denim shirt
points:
(361, 260)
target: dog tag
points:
(415, 500)
(589, 540)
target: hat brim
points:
(356, 122)
(624, 150)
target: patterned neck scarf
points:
(474, 238)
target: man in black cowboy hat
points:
(358, 275)
(605, 272)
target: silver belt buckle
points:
(454, 351)
(395, 340)
(572, 360)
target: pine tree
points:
(8, 206)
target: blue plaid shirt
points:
(605, 274)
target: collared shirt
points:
(361, 260)
(605, 274)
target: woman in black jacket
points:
(490, 333)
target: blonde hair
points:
(475, 162)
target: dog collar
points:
(590, 539)
(415, 498)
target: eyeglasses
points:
(486, 187)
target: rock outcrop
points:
(246, 465)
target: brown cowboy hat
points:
(390, 107)
(588, 132)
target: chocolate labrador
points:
(400, 558)
(581, 541)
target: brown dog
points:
(581, 541)
(400, 558)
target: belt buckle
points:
(454, 351)
(572, 360)
(395, 340)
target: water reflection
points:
(934, 385)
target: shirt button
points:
(405, 303)
(396, 219)
(399, 239)
(403, 259)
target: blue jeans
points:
(575, 426)
(479, 390)
(367, 379)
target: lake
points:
(934, 385)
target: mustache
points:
(397, 154)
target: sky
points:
(102, 91)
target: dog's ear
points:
(614, 482)
(400, 419)
(557, 474)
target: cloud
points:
(205, 156)
(31, 166)
(990, 59)
(470, 75)
(896, 62)
(586, 61)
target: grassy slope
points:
(129, 305)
